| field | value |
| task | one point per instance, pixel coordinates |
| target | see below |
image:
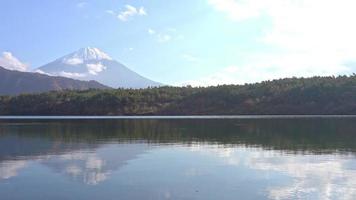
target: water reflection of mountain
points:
(90, 167)
(21, 138)
(96, 166)
(92, 151)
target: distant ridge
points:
(16, 82)
(93, 64)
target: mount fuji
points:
(93, 64)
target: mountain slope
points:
(93, 64)
(16, 82)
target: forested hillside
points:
(317, 95)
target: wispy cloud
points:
(42, 72)
(227, 75)
(239, 10)
(95, 68)
(129, 12)
(72, 75)
(9, 61)
(73, 61)
(269, 67)
(151, 31)
(164, 36)
(111, 12)
(310, 40)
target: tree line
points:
(316, 95)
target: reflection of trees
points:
(313, 135)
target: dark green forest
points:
(316, 95)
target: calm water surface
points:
(291, 158)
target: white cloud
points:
(73, 61)
(111, 12)
(142, 11)
(224, 76)
(72, 75)
(240, 10)
(269, 67)
(95, 68)
(164, 36)
(42, 72)
(312, 37)
(9, 61)
(131, 11)
(151, 31)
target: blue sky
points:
(198, 42)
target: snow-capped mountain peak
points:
(93, 64)
(85, 54)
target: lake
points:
(178, 158)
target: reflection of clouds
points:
(94, 163)
(73, 156)
(10, 168)
(314, 176)
(293, 176)
(218, 150)
(95, 171)
(73, 170)
(226, 153)
(86, 167)
(90, 167)
(326, 177)
(95, 167)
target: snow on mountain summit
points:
(93, 64)
(85, 54)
